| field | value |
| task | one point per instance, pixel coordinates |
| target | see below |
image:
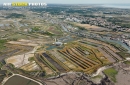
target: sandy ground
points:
(23, 42)
(32, 66)
(20, 60)
(123, 78)
(67, 79)
(72, 78)
(34, 42)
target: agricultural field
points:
(109, 51)
(73, 57)
(91, 27)
(11, 50)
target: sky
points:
(71, 1)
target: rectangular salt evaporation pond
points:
(18, 80)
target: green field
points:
(111, 73)
(2, 43)
(17, 36)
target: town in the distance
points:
(64, 44)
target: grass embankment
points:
(2, 44)
(111, 73)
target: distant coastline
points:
(124, 6)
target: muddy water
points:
(18, 80)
